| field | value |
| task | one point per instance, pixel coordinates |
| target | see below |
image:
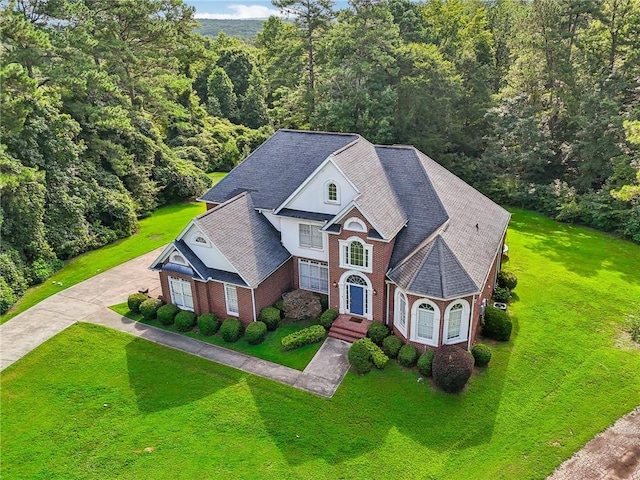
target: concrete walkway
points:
(612, 455)
(88, 302)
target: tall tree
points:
(312, 17)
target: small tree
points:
(301, 304)
(452, 368)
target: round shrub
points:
(481, 354)
(270, 316)
(231, 330)
(507, 280)
(327, 318)
(185, 321)
(208, 324)
(359, 357)
(280, 306)
(407, 355)
(425, 362)
(391, 346)
(255, 332)
(149, 308)
(452, 368)
(377, 332)
(497, 324)
(167, 313)
(501, 294)
(135, 300)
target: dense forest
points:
(246, 29)
(112, 108)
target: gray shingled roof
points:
(377, 200)
(417, 196)
(476, 223)
(276, 168)
(245, 237)
(434, 271)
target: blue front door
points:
(356, 299)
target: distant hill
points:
(233, 28)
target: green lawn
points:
(88, 402)
(267, 350)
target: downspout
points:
(473, 309)
(386, 320)
(253, 303)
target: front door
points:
(356, 299)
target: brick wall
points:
(380, 262)
(273, 287)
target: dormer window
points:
(331, 192)
(177, 258)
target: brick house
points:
(384, 231)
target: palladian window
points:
(355, 254)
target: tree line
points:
(112, 108)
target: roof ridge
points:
(457, 260)
(443, 283)
(401, 146)
(295, 130)
(223, 204)
(429, 247)
(348, 145)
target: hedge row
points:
(378, 357)
(306, 336)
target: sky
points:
(240, 9)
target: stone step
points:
(346, 338)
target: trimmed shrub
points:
(507, 280)
(425, 363)
(391, 346)
(306, 336)
(359, 357)
(231, 330)
(501, 294)
(280, 306)
(324, 302)
(497, 324)
(149, 308)
(270, 316)
(208, 324)
(185, 321)
(167, 313)
(135, 300)
(302, 304)
(378, 357)
(327, 318)
(452, 368)
(377, 332)
(633, 327)
(255, 332)
(481, 354)
(407, 355)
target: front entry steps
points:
(349, 328)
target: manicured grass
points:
(216, 176)
(565, 376)
(267, 350)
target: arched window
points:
(354, 253)
(356, 280)
(456, 321)
(331, 192)
(200, 239)
(401, 314)
(355, 224)
(177, 258)
(425, 322)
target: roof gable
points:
(278, 167)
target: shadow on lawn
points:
(365, 409)
(580, 250)
(156, 391)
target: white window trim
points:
(312, 229)
(414, 323)
(396, 314)
(319, 264)
(464, 323)
(175, 254)
(226, 299)
(326, 192)
(181, 282)
(206, 242)
(361, 225)
(343, 285)
(367, 248)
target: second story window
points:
(355, 254)
(331, 194)
(310, 236)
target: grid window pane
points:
(314, 276)
(455, 321)
(402, 311)
(356, 254)
(181, 293)
(333, 192)
(231, 297)
(310, 236)
(426, 324)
